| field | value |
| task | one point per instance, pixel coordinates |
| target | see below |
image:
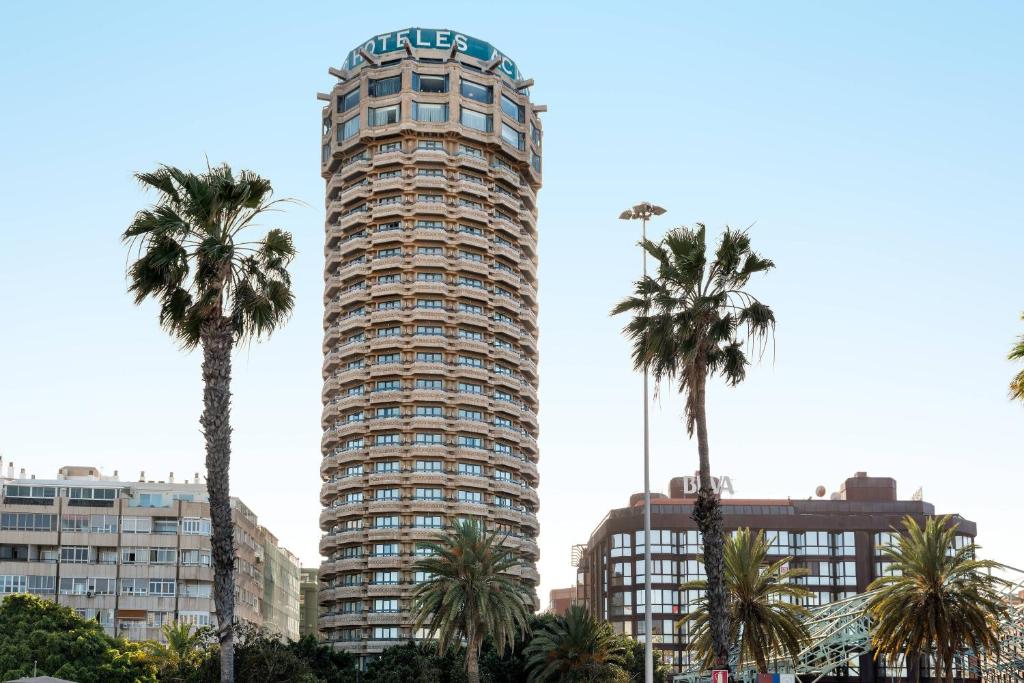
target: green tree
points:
(576, 648)
(471, 595)
(215, 290)
(938, 598)
(416, 663)
(39, 635)
(184, 652)
(764, 617)
(685, 327)
(1017, 383)
(326, 663)
(633, 661)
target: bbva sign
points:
(719, 485)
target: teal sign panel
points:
(436, 39)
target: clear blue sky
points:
(878, 149)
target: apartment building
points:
(838, 539)
(309, 602)
(432, 163)
(135, 555)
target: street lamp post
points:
(643, 212)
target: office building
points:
(838, 540)
(432, 163)
(136, 555)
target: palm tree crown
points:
(575, 648)
(938, 597)
(470, 593)
(686, 319)
(193, 260)
(765, 617)
(1017, 383)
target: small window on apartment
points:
(348, 128)
(477, 120)
(348, 100)
(384, 116)
(382, 87)
(430, 112)
(428, 357)
(477, 91)
(429, 83)
(428, 465)
(430, 144)
(514, 111)
(513, 136)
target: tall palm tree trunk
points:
(472, 657)
(216, 338)
(708, 515)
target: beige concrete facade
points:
(135, 555)
(432, 165)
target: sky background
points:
(876, 150)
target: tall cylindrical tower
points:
(431, 156)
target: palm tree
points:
(765, 618)
(184, 652)
(576, 648)
(215, 290)
(938, 598)
(1017, 383)
(685, 328)
(470, 594)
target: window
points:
(429, 83)
(422, 576)
(469, 496)
(74, 586)
(429, 384)
(27, 521)
(502, 370)
(429, 303)
(502, 422)
(385, 633)
(502, 396)
(13, 584)
(386, 522)
(514, 111)
(385, 605)
(469, 441)
(102, 586)
(429, 439)
(470, 230)
(429, 411)
(430, 172)
(513, 136)
(430, 225)
(387, 494)
(388, 358)
(348, 100)
(429, 277)
(430, 330)
(352, 498)
(422, 493)
(383, 116)
(74, 554)
(134, 555)
(197, 589)
(386, 577)
(502, 475)
(161, 586)
(41, 585)
(476, 120)
(470, 308)
(388, 440)
(428, 465)
(471, 151)
(535, 161)
(387, 384)
(387, 227)
(195, 558)
(471, 282)
(430, 112)
(382, 87)
(387, 466)
(385, 549)
(474, 415)
(502, 502)
(134, 586)
(534, 133)
(470, 388)
(165, 525)
(502, 448)
(162, 555)
(477, 91)
(394, 331)
(348, 128)
(195, 526)
(471, 335)
(430, 251)
(470, 469)
(390, 147)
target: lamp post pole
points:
(644, 211)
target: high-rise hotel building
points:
(431, 157)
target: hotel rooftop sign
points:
(432, 39)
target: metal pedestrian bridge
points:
(840, 632)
